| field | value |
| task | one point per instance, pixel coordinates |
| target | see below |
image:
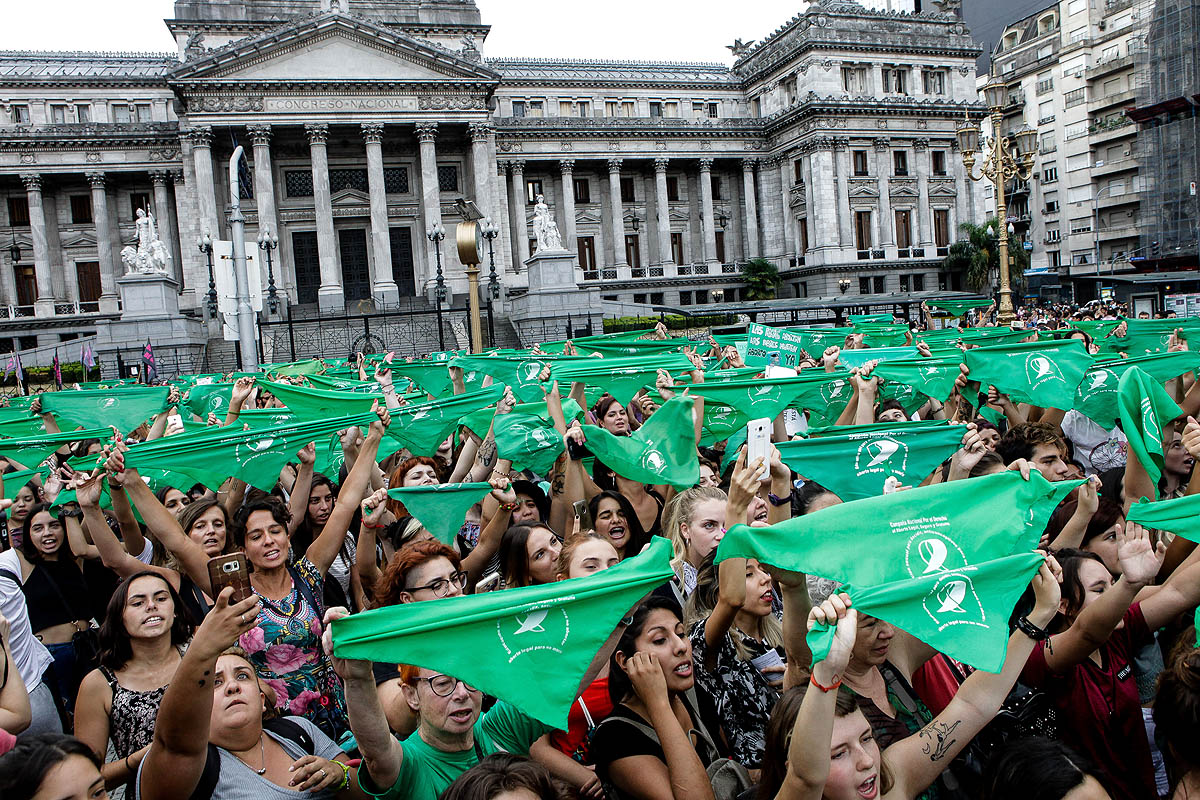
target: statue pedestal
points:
(554, 301)
(149, 311)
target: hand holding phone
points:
(758, 445)
(230, 570)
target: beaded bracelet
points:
(345, 774)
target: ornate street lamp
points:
(843, 285)
(489, 231)
(437, 234)
(205, 243)
(267, 242)
(14, 249)
(1004, 157)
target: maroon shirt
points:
(1100, 714)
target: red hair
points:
(396, 480)
(408, 558)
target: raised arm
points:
(131, 531)
(1072, 533)
(175, 761)
(112, 553)
(298, 501)
(238, 396)
(505, 500)
(15, 711)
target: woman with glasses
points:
(421, 570)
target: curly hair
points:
(1020, 440)
(407, 558)
(270, 503)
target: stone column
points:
(752, 247)
(65, 284)
(567, 167)
(206, 187)
(44, 305)
(882, 168)
(962, 209)
(479, 165)
(786, 215)
(162, 219)
(431, 198)
(104, 248)
(841, 151)
(330, 296)
(706, 211)
(517, 212)
(924, 221)
(768, 199)
(617, 222)
(264, 194)
(662, 210)
(383, 285)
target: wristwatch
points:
(779, 501)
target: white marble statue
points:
(151, 256)
(545, 228)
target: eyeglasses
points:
(444, 685)
(441, 586)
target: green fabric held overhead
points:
(442, 509)
(1179, 515)
(874, 427)
(307, 403)
(907, 396)
(1144, 336)
(814, 341)
(957, 307)
(1096, 397)
(422, 427)
(30, 451)
(342, 384)
(730, 405)
(531, 646)
(856, 358)
(519, 372)
(824, 397)
(1045, 374)
(526, 436)
(869, 319)
(856, 465)
(662, 451)
(22, 426)
(255, 456)
(631, 347)
(620, 376)
(312, 366)
(963, 613)
(13, 481)
(433, 377)
(124, 408)
(883, 335)
(933, 377)
(1145, 409)
(203, 399)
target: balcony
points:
(1114, 200)
(1111, 100)
(1126, 230)
(1101, 168)
(1016, 101)
(1044, 86)
(1101, 132)
(1109, 66)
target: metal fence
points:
(169, 362)
(406, 333)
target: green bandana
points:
(933, 377)
(957, 308)
(202, 399)
(622, 377)
(962, 613)
(780, 347)
(530, 646)
(1096, 397)
(30, 451)
(609, 347)
(526, 436)
(1180, 515)
(663, 451)
(519, 372)
(342, 384)
(856, 358)
(734, 403)
(441, 509)
(855, 465)
(871, 319)
(874, 427)
(1045, 374)
(1145, 409)
(124, 408)
(22, 426)
(824, 397)
(306, 403)
(291, 369)
(256, 456)
(422, 427)
(1144, 336)
(13, 481)
(433, 377)
(883, 335)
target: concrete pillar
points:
(768, 201)
(383, 285)
(431, 198)
(567, 167)
(786, 215)
(517, 212)
(162, 221)
(662, 210)
(44, 305)
(883, 167)
(924, 215)
(330, 296)
(206, 187)
(65, 284)
(480, 170)
(962, 208)
(104, 248)
(264, 194)
(841, 151)
(617, 220)
(706, 211)
(752, 247)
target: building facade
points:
(827, 148)
(1070, 72)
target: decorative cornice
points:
(372, 132)
(427, 131)
(317, 133)
(33, 183)
(260, 135)
(96, 179)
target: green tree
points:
(977, 257)
(762, 279)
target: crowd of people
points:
(129, 663)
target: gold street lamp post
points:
(1004, 157)
(470, 237)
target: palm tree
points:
(762, 279)
(978, 255)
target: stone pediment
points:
(80, 239)
(864, 188)
(903, 190)
(349, 197)
(331, 47)
(587, 216)
(941, 189)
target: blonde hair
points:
(703, 600)
(679, 513)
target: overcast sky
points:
(676, 30)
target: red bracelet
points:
(510, 507)
(837, 681)
(369, 525)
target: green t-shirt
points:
(425, 772)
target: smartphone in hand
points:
(230, 570)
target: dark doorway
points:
(87, 274)
(308, 266)
(402, 261)
(26, 284)
(356, 277)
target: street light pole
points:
(205, 245)
(241, 276)
(267, 242)
(489, 231)
(1005, 157)
(436, 234)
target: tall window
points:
(20, 114)
(860, 163)
(18, 210)
(720, 237)
(673, 188)
(83, 112)
(58, 114)
(895, 80)
(854, 80)
(143, 112)
(900, 163)
(633, 253)
(583, 190)
(862, 230)
(138, 200)
(803, 235)
(677, 247)
(627, 195)
(518, 107)
(26, 284)
(941, 227)
(934, 81)
(798, 171)
(716, 188)
(81, 209)
(587, 252)
(447, 177)
(656, 108)
(121, 113)
(938, 161)
(535, 108)
(903, 229)
(87, 274)
(533, 188)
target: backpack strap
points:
(4, 573)
(290, 730)
(280, 726)
(306, 591)
(209, 777)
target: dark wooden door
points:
(87, 273)
(307, 264)
(402, 261)
(26, 284)
(356, 276)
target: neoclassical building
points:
(828, 148)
